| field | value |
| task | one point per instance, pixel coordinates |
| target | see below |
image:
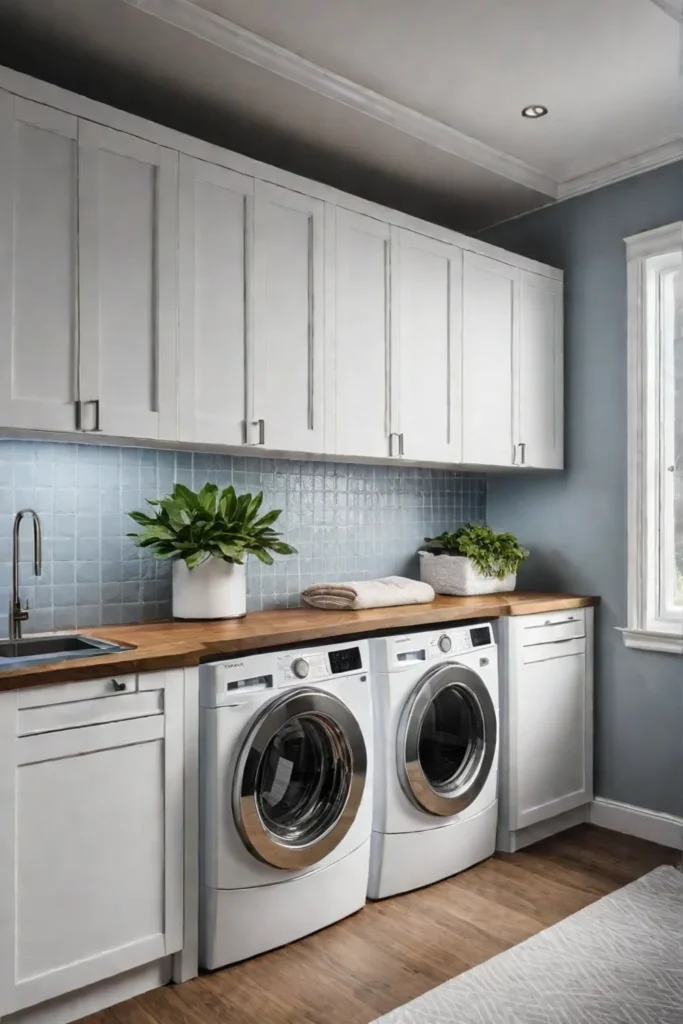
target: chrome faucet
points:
(18, 613)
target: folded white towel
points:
(384, 593)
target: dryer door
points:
(446, 740)
(300, 778)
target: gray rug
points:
(618, 961)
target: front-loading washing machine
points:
(436, 755)
(285, 796)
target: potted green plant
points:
(473, 560)
(209, 534)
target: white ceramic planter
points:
(455, 574)
(213, 590)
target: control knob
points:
(300, 668)
(445, 643)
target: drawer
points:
(78, 713)
(553, 626)
(554, 649)
(61, 693)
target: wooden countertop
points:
(167, 645)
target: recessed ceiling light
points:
(535, 110)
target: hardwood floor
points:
(399, 948)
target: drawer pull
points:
(119, 687)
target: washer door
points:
(446, 740)
(300, 779)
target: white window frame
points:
(651, 258)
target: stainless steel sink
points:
(56, 648)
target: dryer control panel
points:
(390, 654)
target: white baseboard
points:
(664, 829)
(510, 842)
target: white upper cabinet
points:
(128, 206)
(216, 226)
(163, 296)
(288, 320)
(38, 266)
(539, 374)
(489, 326)
(427, 280)
(359, 360)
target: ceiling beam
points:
(253, 48)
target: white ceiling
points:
(606, 69)
(414, 103)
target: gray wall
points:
(575, 522)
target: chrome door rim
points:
(331, 712)
(469, 782)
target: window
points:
(655, 440)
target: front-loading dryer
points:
(285, 796)
(435, 700)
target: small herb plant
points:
(494, 554)
(196, 525)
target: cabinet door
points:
(288, 320)
(360, 360)
(488, 339)
(91, 843)
(551, 714)
(428, 280)
(38, 266)
(539, 373)
(216, 207)
(128, 311)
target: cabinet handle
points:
(79, 416)
(118, 686)
(514, 455)
(311, 328)
(391, 444)
(400, 444)
(522, 453)
(261, 433)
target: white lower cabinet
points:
(91, 835)
(546, 767)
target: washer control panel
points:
(257, 676)
(456, 641)
(400, 652)
(309, 666)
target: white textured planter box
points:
(455, 574)
(213, 590)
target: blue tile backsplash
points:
(347, 522)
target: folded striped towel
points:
(383, 593)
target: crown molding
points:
(253, 48)
(667, 153)
(672, 7)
